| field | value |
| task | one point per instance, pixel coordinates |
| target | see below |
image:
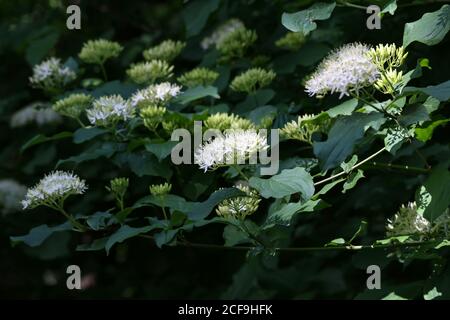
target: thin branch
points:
(397, 166)
(300, 249)
(352, 168)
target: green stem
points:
(241, 172)
(304, 249)
(78, 226)
(396, 166)
(352, 168)
(102, 68)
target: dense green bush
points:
(89, 123)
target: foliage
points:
(363, 175)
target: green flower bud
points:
(239, 207)
(74, 105)
(153, 116)
(224, 121)
(386, 57)
(98, 51)
(252, 80)
(389, 81)
(149, 72)
(160, 189)
(305, 126)
(236, 43)
(167, 50)
(292, 41)
(118, 187)
(198, 77)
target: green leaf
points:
(86, 134)
(303, 21)
(164, 237)
(393, 296)
(346, 108)
(336, 242)
(99, 220)
(40, 47)
(201, 210)
(196, 93)
(289, 181)
(97, 244)
(123, 233)
(106, 149)
(168, 201)
(38, 139)
(161, 150)
(233, 236)
(254, 100)
(444, 243)
(395, 137)
(196, 14)
(115, 87)
(284, 215)
(352, 180)
(430, 29)
(345, 133)
(348, 166)
(144, 164)
(438, 186)
(390, 7)
(440, 91)
(39, 234)
(432, 294)
(424, 134)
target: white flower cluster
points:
(52, 189)
(11, 193)
(155, 94)
(108, 110)
(235, 147)
(408, 221)
(344, 71)
(39, 113)
(51, 73)
(221, 33)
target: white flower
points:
(346, 70)
(11, 193)
(52, 189)
(408, 221)
(51, 73)
(235, 147)
(38, 112)
(156, 93)
(221, 33)
(108, 110)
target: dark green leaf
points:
(38, 139)
(288, 182)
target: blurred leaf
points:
(39, 234)
(196, 93)
(425, 134)
(38, 139)
(161, 150)
(86, 134)
(196, 14)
